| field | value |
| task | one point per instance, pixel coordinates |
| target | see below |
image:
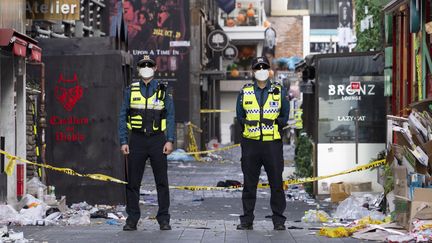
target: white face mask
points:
(262, 74)
(146, 72)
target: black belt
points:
(146, 133)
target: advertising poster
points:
(161, 29)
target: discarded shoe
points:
(245, 226)
(279, 227)
(165, 226)
(129, 227)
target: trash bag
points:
(99, 214)
(51, 211)
(179, 155)
(31, 215)
(33, 186)
(29, 201)
(80, 218)
(8, 214)
(351, 208)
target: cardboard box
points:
(341, 190)
(400, 181)
(338, 192)
(402, 212)
(427, 148)
(361, 187)
(422, 199)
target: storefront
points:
(408, 63)
(349, 116)
(15, 50)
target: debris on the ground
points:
(315, 216)
(113, 222)
(180, 155)
(356, 208)
(229, 183)
(149, 202)
(8, 235)
(81, 217)
(357, 225)
(187, 166)
(198, 199)
(147, 192)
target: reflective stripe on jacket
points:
(260, 121)
(147, 115)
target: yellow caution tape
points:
(193, 147)
(214, 150)
(214, 111)
(12, 160)
(340, 232)
(11, 165)
(288, 182)
(204, 188)
(356, 169)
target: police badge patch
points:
(274, 104)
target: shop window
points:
(297, 4)
(246, 13)
(239, 68)
(323, 7)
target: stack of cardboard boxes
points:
(410, 157)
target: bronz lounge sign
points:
(53, 9)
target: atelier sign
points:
(53, 9)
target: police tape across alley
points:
(12, 161)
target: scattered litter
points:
(113, 222)
(35, 187)
(98, 214)
(112, 216)
(234, 214)
(352, 208)
(315, 216)
(200, 199)
(229, 183)
(80, 218)
(189, 165)
(81, 206)
(227, 206)
(147, 192)
(149, 202)
(180, 155)
(400, 239)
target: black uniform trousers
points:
(142, 147)
(255, 154)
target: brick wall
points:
(289, 32)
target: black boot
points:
(164, 226)
(279, 227)
(245, 226)
(130, 227)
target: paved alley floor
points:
(196, 216)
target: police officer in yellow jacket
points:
(262, 110)
(147, 112)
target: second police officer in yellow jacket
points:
(262, 110)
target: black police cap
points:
(260, 62)
(146, 61)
